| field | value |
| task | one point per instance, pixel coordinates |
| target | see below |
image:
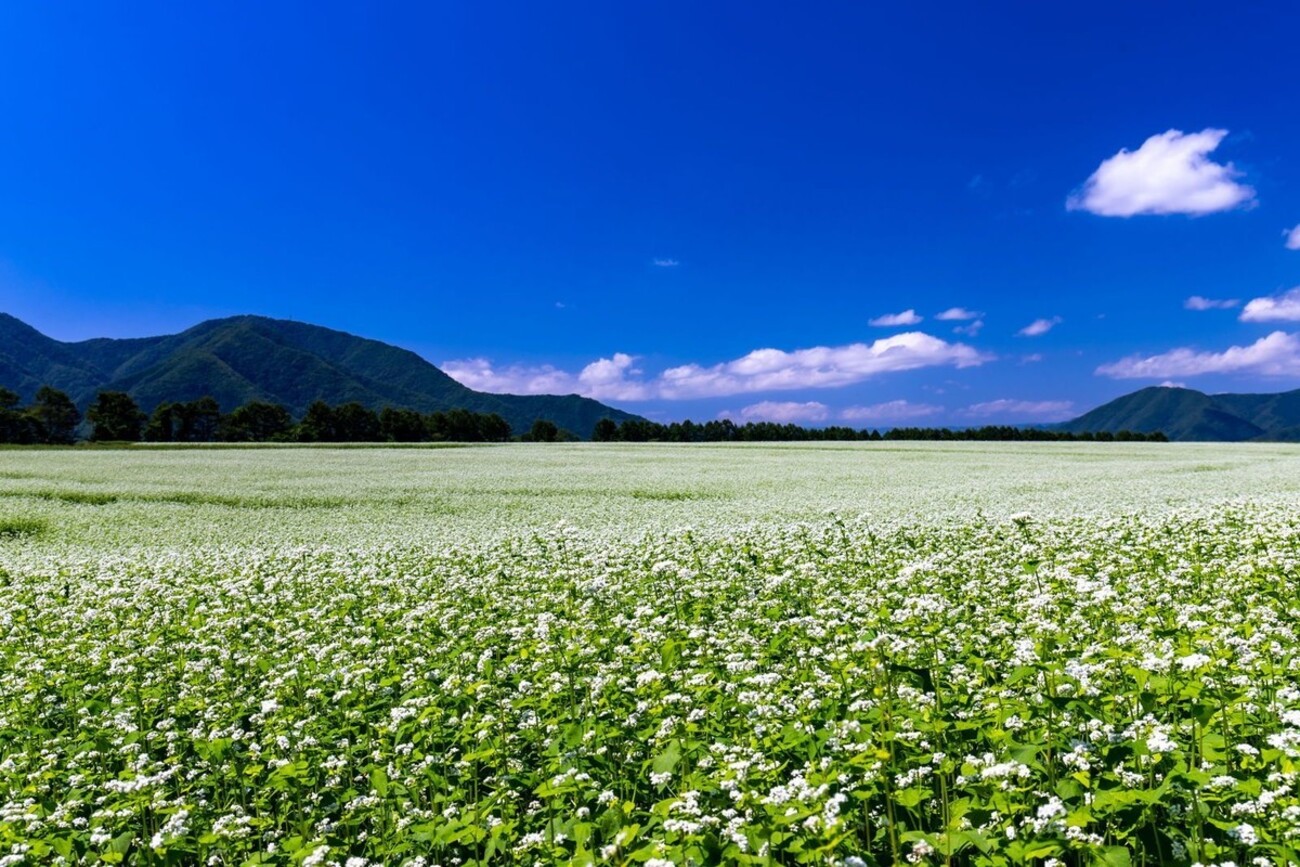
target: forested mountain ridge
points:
(1187, 414)
(252, 358)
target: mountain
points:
(1187, 414)
(247, 358)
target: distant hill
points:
(247, 358)
(1187, 414)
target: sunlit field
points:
(838, 654)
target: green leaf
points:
(668, 759)
(1113, 856)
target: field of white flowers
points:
(802, 654)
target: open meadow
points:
(842, 654)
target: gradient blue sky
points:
(631, 199)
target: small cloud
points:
(1196, 302)
(1169, 383)
(892, 320)
(667, 263)
(785, 411)
(1040, 327)
(559, 305)
(957, 314)
(1278, 354)
(1038, 410)
(1031, 358)
(971, 329)
(1273, 308)
(1169, 174)
(1292, 238)
(889, 411)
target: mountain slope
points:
(1187, 414)
(245, 358)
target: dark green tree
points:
(115, 416)
(257, 422)
(606, 431)
(402, 425)
(544, 431)
(462, 426)
(493, 428)
(164, 423)
(15, 426)
(317, 426)
(54, 416)
(355, 423)
(200, 420)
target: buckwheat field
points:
(651, 655)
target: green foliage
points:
(606, 431)
(543, 431)
(115, 416)
(257, 421)
(12, 527)
(54, 417)
(726, 431)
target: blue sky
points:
(682, 209)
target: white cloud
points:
(1278, 354)
(891, 320)
(603, 379)
(667, 263)
(617, 377)
(1169, 383)
(480, 375)
(1040, 327)
(1197, 302)
(1273, 308)
(785, 411)
(957, 314)
(1031, 358)
(1292, 238)
(971, 329)
(1038, 410)
(893, 410)
(607, 379)
(817, 367)
(1169, 174)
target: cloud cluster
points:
(957, 314)
(1040, 327)
(617, 378)
(818, 367)
(1292, 238)
(1038, 410)
(1197, 302)
(890, 411)
(785, 412)
(1277, 354)
(1171, 173)
(893, 320)
(1273, 308)
(604, 379)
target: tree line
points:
(727, 431)
(53, 419)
